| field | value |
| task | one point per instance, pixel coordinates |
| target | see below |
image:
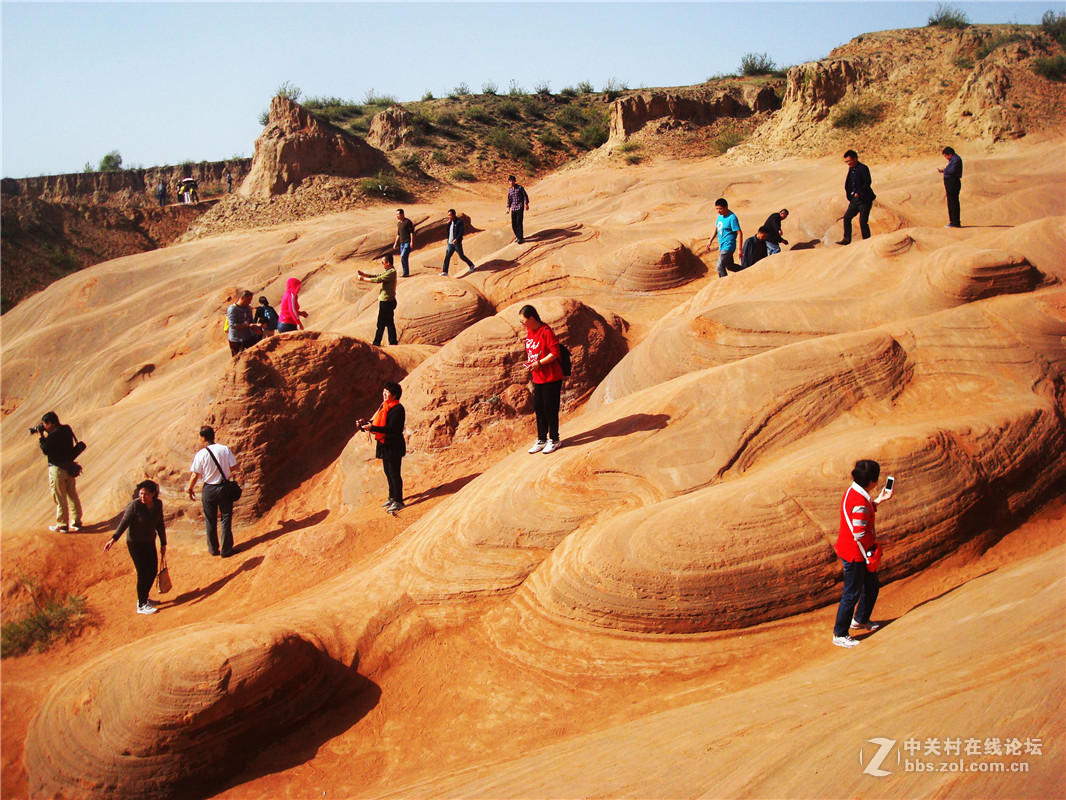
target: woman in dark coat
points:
(142, 521)
(387, 427)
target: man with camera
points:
(58, 444)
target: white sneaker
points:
(845, 641)
(146, 609)
(538, 445)
(866, 626)
(550, 447)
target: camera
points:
(38, 428)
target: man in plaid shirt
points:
(518, 205)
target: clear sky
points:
(166, 82)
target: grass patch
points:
(478, 114)
(963, 62)
(509, 109)
(384, 186)
(857, 114)
(570, 118)
(627, 147)
(461, 90)
(997, 41)
(446, 119)
(725, 141)
(593, 135)
(489, 87)
(549, 139)
(634, 158)
(948, 17)
(439, 157)
(508, 143)
(463, 175)
(411, 161)
(1054, 25)
(1052, 68)
(51, 619)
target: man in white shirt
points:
(204, 468)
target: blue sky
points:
(168, 82)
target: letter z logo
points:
(884, 748)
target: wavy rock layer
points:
(432, 310)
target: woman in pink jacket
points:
(289, 312)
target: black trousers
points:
(386, 321)
(146, 560)
(215, 506)
(952, 187)
(392, 475)
(861, 208)
(516, 223)
(546, 405)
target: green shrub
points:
(446, 119)
(514, 89)
(549, 139)
(52, 618)
(387, 187)
(568, 91)
(478, 114)
(372, 98)
(411, 161)
(593, 135)
(508, 143)
(757, 64)
(627, 147)
(112, 162)
(60, 258)
(634, 158)
(1054, 25)
(1052, 68)
(997, 41)
(543, 87)
(948, 17)
(289, 91)
(534, 108)
(463, 175)
(489, 87)
(963, 62)
(570, 117)
(427, 96)
(584, 88)
(509, 109)
(439, 157)
(613, 88)
(264, 120)
(461, 90)
(856, 114)
(725, 141)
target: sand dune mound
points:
(484, 370)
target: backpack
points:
(564, 360)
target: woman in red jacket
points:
(289, 312)
(856, 542)
(542, 361)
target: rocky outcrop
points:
(631, 113)
(127, 185)
(480, 376)
(296, 145)
(287, 408)
(651, 265)
(390, 128)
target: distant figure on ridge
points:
(730, 237)
(952, 186)
(214, 465)
(755, 248)
(857, 187)
(859, 552)
(289, 313)
(774, 239)
(266, 316)
(404, 242)
(542, 361)
(387, 427)
(455, 242)
(518, 205)
(386, 299)
(243, 333)
(161, 194)
(142, 521)
(229, 182)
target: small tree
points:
(948, 17)
(757, 64)
(289, 91)
(112, 162)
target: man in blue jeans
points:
(405, 240)
(730, 237)
(455, 242)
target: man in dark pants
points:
(857, 187)
(952, 186)
(456, 231)
(755, 248)
(518, 205)
(386, 299)
(205, 468)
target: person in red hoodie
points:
(856, 543)
(289, 312)
(542, 361)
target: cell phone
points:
(889, 483)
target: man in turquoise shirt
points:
(730, 237)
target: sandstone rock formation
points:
(432, 312)
(631, 113)
(652, 264)
(390, 128)
(296, 145)
(288, 407)
(480, 376)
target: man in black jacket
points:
(57, 443)
(860, 196)
(775, 238)
(952, 185)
